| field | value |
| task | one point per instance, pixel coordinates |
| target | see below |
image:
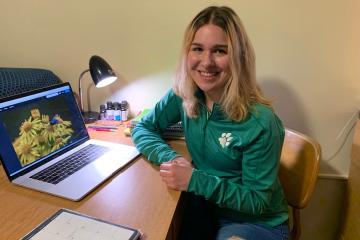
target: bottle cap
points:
(109, 104)
(116, 105)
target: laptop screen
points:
(36, 126)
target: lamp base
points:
(90, 117)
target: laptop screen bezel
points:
(53, 156)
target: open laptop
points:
(44, 144)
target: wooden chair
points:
(299, 167)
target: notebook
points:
(45, 144)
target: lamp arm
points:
(80, 92)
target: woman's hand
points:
(176, 173)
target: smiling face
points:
(208, 61)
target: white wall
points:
(308, 55)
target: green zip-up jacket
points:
(235, 163)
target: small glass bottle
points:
(109, 111)
(124, 110)
(102, 112)
(117, 112)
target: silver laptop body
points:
(44, 128)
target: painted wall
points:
(308, 57)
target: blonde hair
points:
(241, 90)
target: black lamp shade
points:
(101, 72)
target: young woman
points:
(233, 136)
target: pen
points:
(103, 130)
(101, 127)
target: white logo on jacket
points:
(225, 139)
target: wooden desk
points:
(135, 197)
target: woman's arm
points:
(147, 133)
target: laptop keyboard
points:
(71, 164)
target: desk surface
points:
(135, 197)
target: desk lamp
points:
(102, 75)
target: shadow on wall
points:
(328, 194)
(286, 103)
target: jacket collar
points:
(216, 114)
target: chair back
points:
(299, 167)
(19, 80)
